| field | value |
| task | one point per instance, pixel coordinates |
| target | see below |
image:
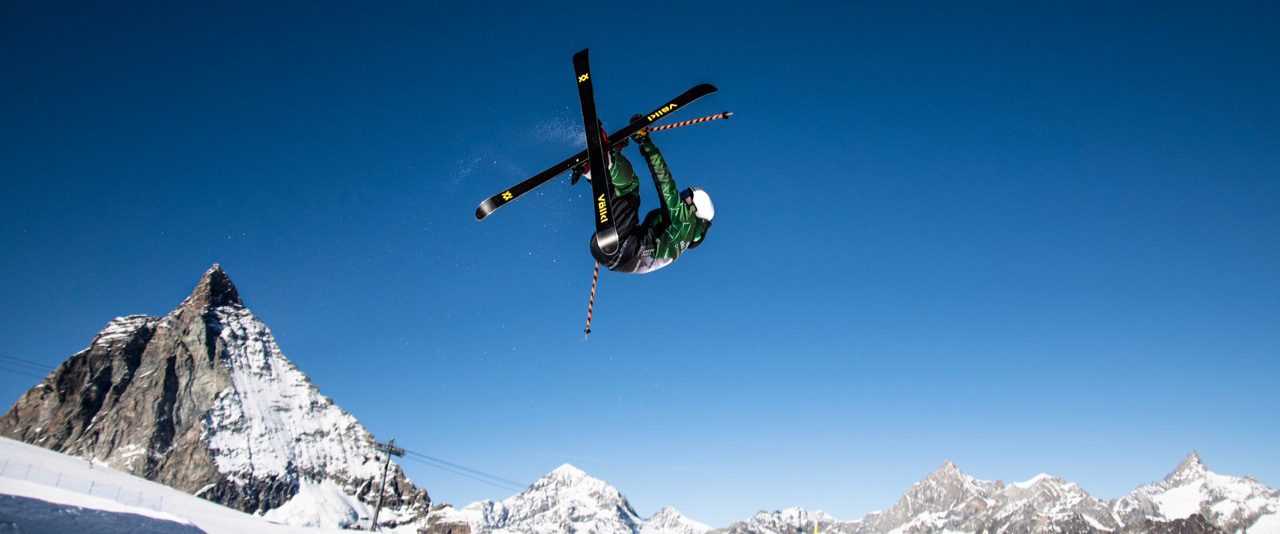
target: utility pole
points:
(389, 448)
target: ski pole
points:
(591, 303)
(723, 115)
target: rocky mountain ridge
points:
(564, 500)
(203, 400)
(1190, 500)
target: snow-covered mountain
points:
(1191, 500)
(949, 500)
(204, 401)
(671, 521)
(790, 520)
(1231, 503)
(566, 500)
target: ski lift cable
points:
(468, 469)
(504, 486)
(19, 372)
(19, 362)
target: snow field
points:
(177, 506)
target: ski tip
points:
(706, 87)
(483, 210)
(581, 55)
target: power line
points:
(18, 372)
(461, 471)
(470, 470)
(36, 366)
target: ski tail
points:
(602, 198)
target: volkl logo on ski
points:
(603, 206)
(665, 109)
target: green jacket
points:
(666, 231)
(675, 224)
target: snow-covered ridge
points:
(945, 501)
(565, 500)
(271, 423)
(272, 419)
(120, 328)
(1232, 503)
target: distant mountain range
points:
(1189, 500)
(203, 400)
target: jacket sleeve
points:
(671, 203)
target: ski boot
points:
(578, 172)
(585, 168)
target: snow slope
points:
(24, 514)
(177, 507)
(273, 423)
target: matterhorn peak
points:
(1190, 468)
(214, 290)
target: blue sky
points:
(1017, 237)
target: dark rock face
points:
(170, 399)
(119, 400)
(439, 525)
(1196, 524)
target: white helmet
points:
(701, 202)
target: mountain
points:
(1231, 503)
(1191, 500)
(670, 521)
(790, 520)
(950, 500)
(565, 500)
(203, 400)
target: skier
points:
(682, 221)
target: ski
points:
(497, 201)
(601, 196)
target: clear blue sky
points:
(1017, 237)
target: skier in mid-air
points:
(681, 223)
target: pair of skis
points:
(594, 155)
